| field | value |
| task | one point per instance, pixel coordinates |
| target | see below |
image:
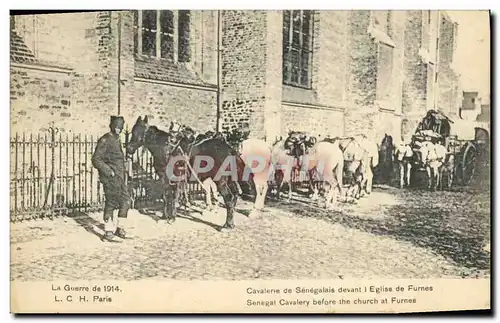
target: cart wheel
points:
(468, 164)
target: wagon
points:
(465, 140)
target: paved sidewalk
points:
(388, 234)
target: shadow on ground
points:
(457, 230)
(88, 223)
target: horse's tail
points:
(245, 177)
(339, 174)
(374, 159)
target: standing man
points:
(109, 160)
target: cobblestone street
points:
(392, 233)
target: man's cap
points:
(116, 121)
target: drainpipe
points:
(119, 60)
(219, 73)
(438, 43)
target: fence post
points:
(52, 146)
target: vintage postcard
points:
(250, 161)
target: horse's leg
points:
(263, 194)
(450, 177)
(240, 191)
(330, 194)
(369, 179)
(436, 177)
(289, 184)
(258, 193)
(208, 192)
(429, 176)
(279, 182)
(229, 194)
(216, 193)
(170, 207)
(440, 177)
(408, 173)
(402, 174)
(339, 168)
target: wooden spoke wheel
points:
(469, 164)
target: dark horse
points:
(386, 161)
(181, 145)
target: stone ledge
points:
(210, 88)
(42, 66)
(314, 106)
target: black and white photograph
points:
(249, 145)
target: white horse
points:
(360, 159)
(256, 154)
(371, 160)
(404, 158)
(325, 163)
(433, 157)
(283, 165)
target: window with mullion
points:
(297, 47)
(149, 32)
(167, 34)
(163, 34)
(184, 53)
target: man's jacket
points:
(108, 155)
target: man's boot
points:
(121, 223)
(109, 226)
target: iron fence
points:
(51, 174)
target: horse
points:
(433, 157)
(360, 157)
(256, 154)
(447, 168)
(386, 158)
(404, 157)
(208, 184)
(178, 149)
(324, 162)
(283, 163)
(372, 159)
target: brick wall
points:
(164, 103)
(414, 104)
(243, 65)
(361, 114)
(449, 98)
(39, 97)
(319, 121)
(80, 42)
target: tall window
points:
(381, 20)
(297, 47)
(431, 81)
(163, 34)
(384, 73)
(426, 29)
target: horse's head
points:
(187, 137)
(138, 132)
(300, 143)
(181, 136)
(387, 142)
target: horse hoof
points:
(255, 213)
(225, 229)
(170, 220)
